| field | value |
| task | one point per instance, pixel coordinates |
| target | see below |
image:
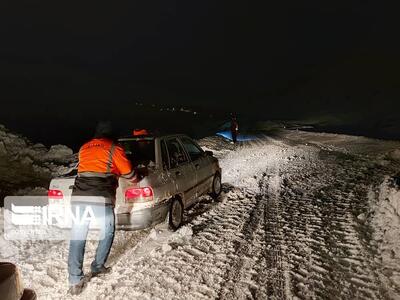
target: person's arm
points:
(122, 163)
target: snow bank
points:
(19, 147)
(59, 153)
(25, 165)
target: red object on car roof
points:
(138, 132)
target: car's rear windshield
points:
(140, 152)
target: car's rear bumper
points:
(143, 218)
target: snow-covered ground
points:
(303, 215)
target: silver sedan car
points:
(174, 171)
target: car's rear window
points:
(140, 152)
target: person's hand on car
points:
(136, 178)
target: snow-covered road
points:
(303, 215)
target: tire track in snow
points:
(270, 273)
(193, 267)
(314, 246)
(244, 250)
(329, 258)
(256, 270)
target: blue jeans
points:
(105, 214)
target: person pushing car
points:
(101, 162)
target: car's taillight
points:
(55, 194)
(139, 194)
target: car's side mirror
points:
(209, 153)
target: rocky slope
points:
(26, 166)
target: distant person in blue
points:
(234, 128)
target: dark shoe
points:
(103, 270)
(28, 295)
(77, 288)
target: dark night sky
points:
(64, 65)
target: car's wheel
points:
(216, 188)
(175, 214)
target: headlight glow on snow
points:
(240, 138)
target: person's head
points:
(104, 129)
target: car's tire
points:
(175, 214)
(216, 187)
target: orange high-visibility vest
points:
(103, 156)
(137, 132)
